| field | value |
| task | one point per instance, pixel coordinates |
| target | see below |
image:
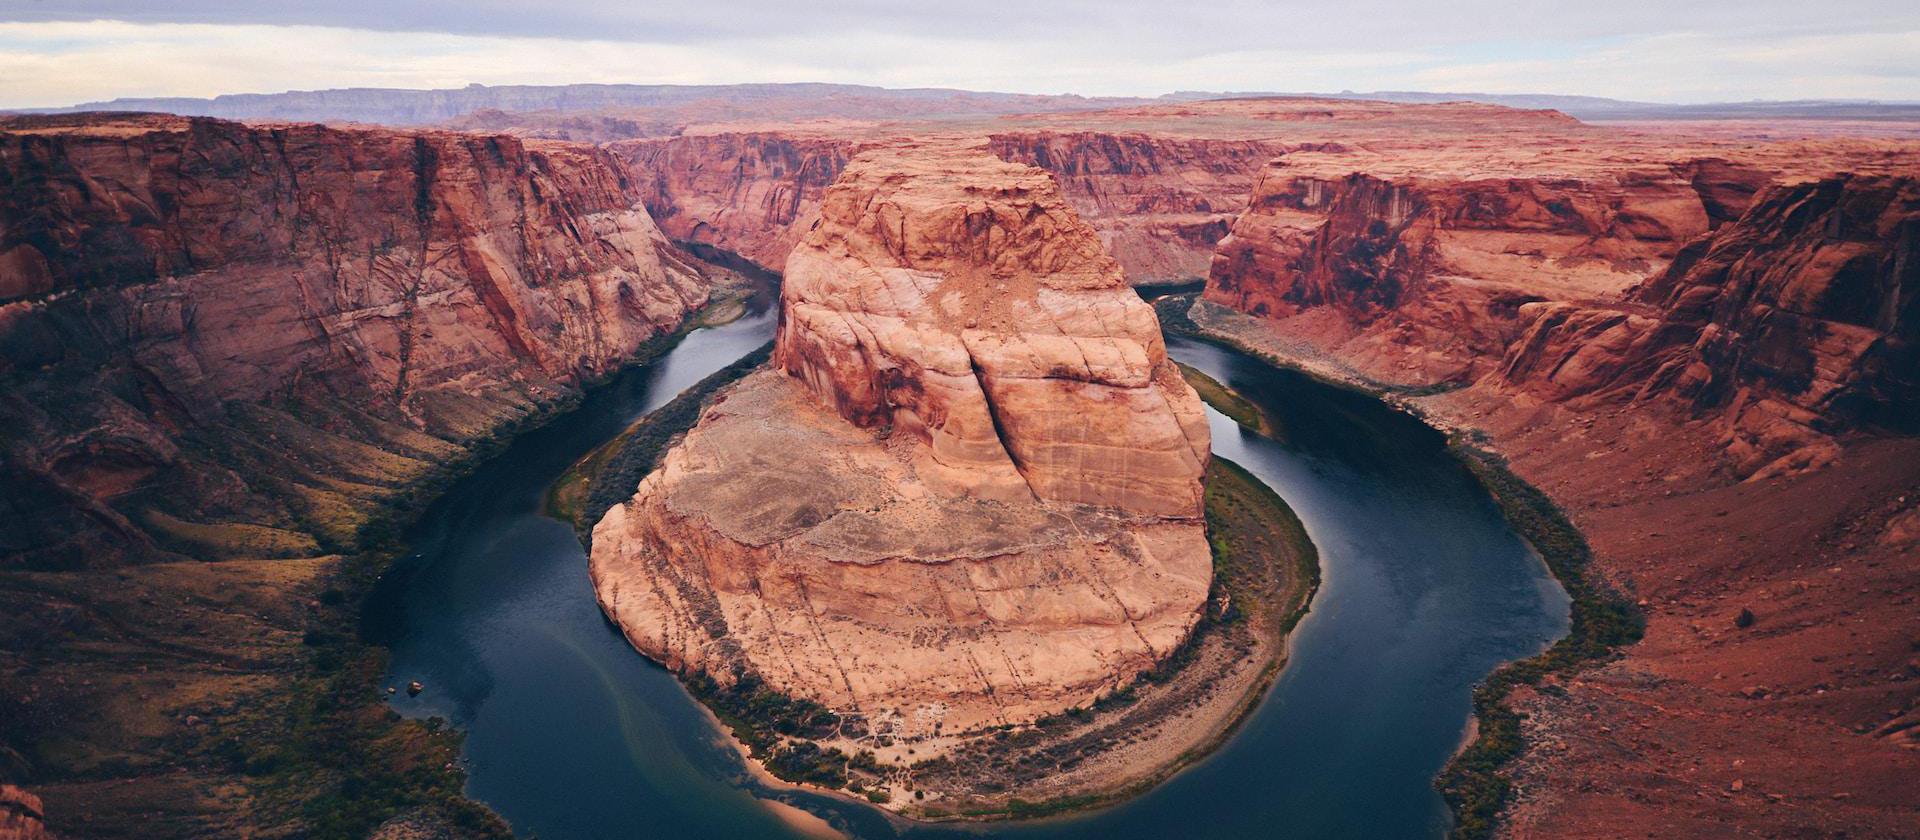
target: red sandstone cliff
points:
(751, 193)
(1158, 203)
(968, 494)
(230, 340)
(1798, 322)
(1417, 274)
(1709, 364)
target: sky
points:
(62, 52)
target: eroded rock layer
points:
(1420, 273)
(1703, 351)
(967, 494)
(1797, 322)
(232, 340)
(1781, 306)
(753, 193)
(1158, 203)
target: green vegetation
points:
(1602, 622)
(334, 758)
(232, 540)
(607, 475)
(722, 310)
(1251, 529)
(339, 759)
(1227, 401)
(1265, 573)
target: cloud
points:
(51, 61)
(1694, 67)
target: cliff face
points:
(229, 340)
(1159, 203)
(1797, 322)
(751, 193)
(1419, 275)
(969, 492)
(21, 815)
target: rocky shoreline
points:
(1122, 744)
(1475, 781)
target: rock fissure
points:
(999, 542)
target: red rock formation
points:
(751, 193)
(209, 325)
(955, 301)
(1159, 203)
(1419, 276)
(1795, 323)
(1670, 394)
(21, 815)
(969, 493)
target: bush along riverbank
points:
(1474, 783)
(337, 750)
(1265, 573)
(778, 731)
(1603, 621)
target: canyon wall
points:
(752, 193)
(1417, 274)
(1784, 310)
(1158, 203)
(1704, 353)
(1795, 323)
(966, 494)
(221, 340)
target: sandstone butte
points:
(1697, 338)
(238, 341)
(967, 491)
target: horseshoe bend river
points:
(572, 734)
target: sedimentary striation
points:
(968, 492)
(233, 340)
(1776, 308)
(751, 192)
(1797, 322)
(1418, 271)
(1702, 346)
(1158, 203)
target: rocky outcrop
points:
(751, 193)
(1798, 322)
(21, 815)
(228, 340)
(1418, 275)
(1160, 203)
(1785, 311)
(967, 494)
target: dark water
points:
(573, 735)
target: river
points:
(571, 734)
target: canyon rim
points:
(396, 462)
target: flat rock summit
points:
(966, 493)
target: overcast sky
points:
(59, 52)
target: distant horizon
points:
(1714, 51)
(1172, 95)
